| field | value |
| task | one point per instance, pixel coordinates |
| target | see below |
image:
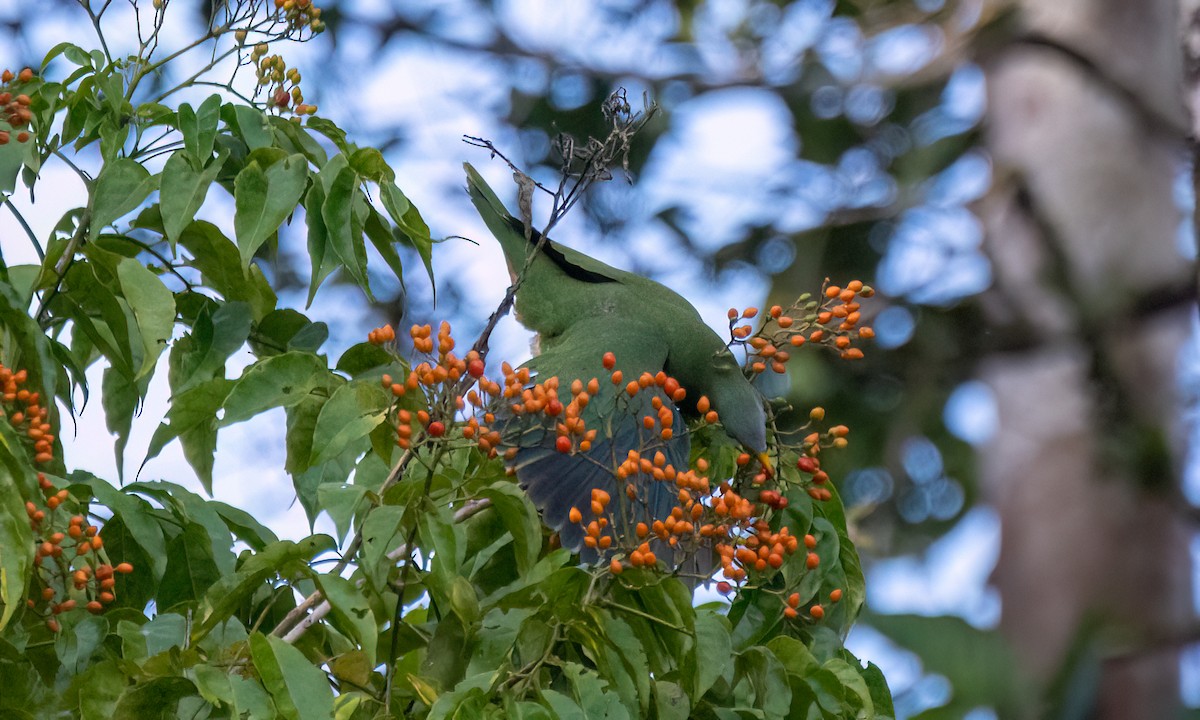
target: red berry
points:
(563, 444)
(553, 408)
(609, 361)
(724, 588)
(475, 368)
(437, 429)
(806, 464)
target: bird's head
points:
(739, 405)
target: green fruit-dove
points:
(581, 309)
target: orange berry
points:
(790, 613)
(810, 542)
(563, 444)
(812, 561)
(615, 567)
(124, 568)
(817, 612)
(750, 312)
(609, 361)
(832, 291)
(835, 595)
(575, 516)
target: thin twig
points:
(320, 606)
(37, 246)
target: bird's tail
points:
(557, 482)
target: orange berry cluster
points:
(70, 555)
(283, 82)
(14, 109)
(71, 559)
(440, 385)
(816, 612)
(382, 335)
(809, 461)
(26, 414)
(301, 14)
(832, 321)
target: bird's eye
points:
(723, 359)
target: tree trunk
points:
(1086, 128)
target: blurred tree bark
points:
(1086, 130)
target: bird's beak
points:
(765, 460)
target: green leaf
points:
(301, 141)
(153, 307)
(385, 238)
(216, 257)
(192, 418)
(670, 701)
(380, 535)
(713, 654)
(286, 329)
(156, 699)
(264, 199)
(70, 51)
(244, 526)
(136, 514)
(320, 258)
(369, 164)
(361, 358)
(253, 126)
(13, 157)
(191, 569)
(187, 506)
(230, 591)
(216, 334)
(340, 502)
(184, 189)
(409, 220)
(121, 186)
(120, 396)
(344, 233)
(16, 537)
(352, 412)
(463, 599)
(521, 520)
(300, 690)
(279, 381)
(351, 613)
(199, 128)
(772, 693)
